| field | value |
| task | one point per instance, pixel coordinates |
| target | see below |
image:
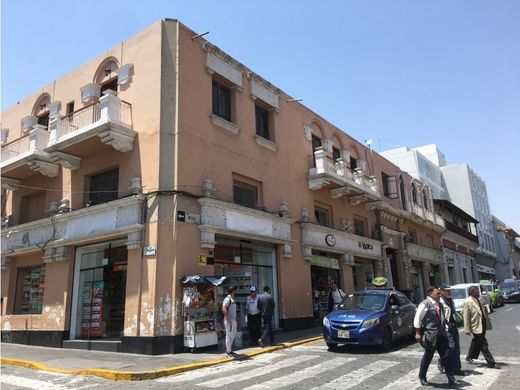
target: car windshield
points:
(508, 285)
(458, 293)
(363, 301)
(488, 287)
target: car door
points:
(407, 309)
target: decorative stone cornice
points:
(65, 160)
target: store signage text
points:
(365, 245)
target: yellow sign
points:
(203, 260)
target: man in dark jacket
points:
(430, 330)
(266, 305)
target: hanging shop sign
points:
(330, 240)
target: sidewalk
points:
(124, 366)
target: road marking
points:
(509, 309)
(355, 377)
(301, 375)
(221, 368)
(256, 372)
(409, 382)
(30, 383)
(483, 379)
(518, 328)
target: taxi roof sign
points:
(380, 281)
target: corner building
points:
(165, 157)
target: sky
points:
(400, 72)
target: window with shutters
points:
(389, 186)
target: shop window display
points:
(30, 288)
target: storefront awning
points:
(199, 279)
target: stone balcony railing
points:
(109, 119)
(341, 180)
(42, 149)
(28, 152)
(427, 215)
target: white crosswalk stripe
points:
(482, 380)
(301, 375)
(222, 368)
(257, 371)
(30, 383)
(355, 377)
(409, 382)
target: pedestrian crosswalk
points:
(309, 367)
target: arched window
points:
(106, 75)
(415, 199)
(403, 192)
(41, 109)
(425, 199)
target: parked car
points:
(370, 317)
(459, 293)
(497, 299)
(510, 290)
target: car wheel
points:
(386, 344)
(332, 346)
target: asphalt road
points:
(312, 366)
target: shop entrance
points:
(324, 270)
(417, 283)
(101, 291)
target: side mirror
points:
(394, 307)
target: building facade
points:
(507, 263)
(165, 157)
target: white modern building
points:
(459, 184)
(507, 263)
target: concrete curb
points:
(146, 375)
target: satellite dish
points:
(369, 142)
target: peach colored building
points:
(165, 157)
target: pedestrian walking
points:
(477, 322)
(336, 296)
(254, 317)
(229, 309)
(266, 305)
(431, 331)
(453, 334)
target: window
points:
(411, 237)
(103, 187)
(221, 100)
(322, 216)
(262, 122)
(425, 199)
(5, 135)
(353, 163)
(32, 207)
(335, 154)
(110, 84)
(414, 194)
(245, 194)
(70, 108)
(43, 119)
(389, 186)
(30, 284)
(403, 192)
(359, 226)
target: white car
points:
(459, 293)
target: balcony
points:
(25, 155)
(428, 217)
(423, 253)
(461, 232)
(341, 180)
(108, 122)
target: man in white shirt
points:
(336, 296)
(430, 324)
(254, 317)
(229, 309)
